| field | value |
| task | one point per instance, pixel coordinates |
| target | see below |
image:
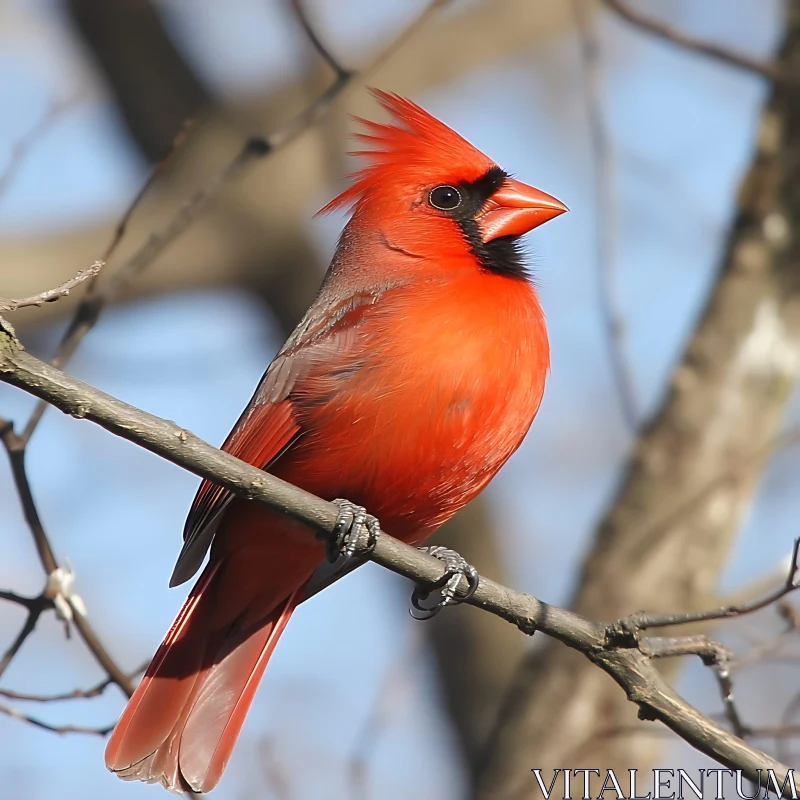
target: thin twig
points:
(641, 621)
(767, 581)
(299, 10)
(161, 166)
(709, 651)
(605, 221)
(17, 714)
(765, 69)
(724, 675)
(24, 145)
(627, 663)
(35, 610)
(50, 295)
(98, 650)
(20, 600)
(91, 305)
(713, 655)
(74, 694)
(16, 447)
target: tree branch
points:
(74, 694)
(642, 621)
(765, 69)
(605, 220)
(36, 606)
(630, 665)
(299, 9)
(51, 295)
(57, 592)
(17, 714)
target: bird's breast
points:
(450, 379)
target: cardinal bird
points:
(412, 378)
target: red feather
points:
(182, 722)
(260, 436)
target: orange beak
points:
(516, 208)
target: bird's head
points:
(431, 193)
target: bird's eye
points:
(445, 198)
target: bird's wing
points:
(269, 424)
(260, 435)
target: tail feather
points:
(163, 693)
(182, 722)
(218, 713)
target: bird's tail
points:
(182, 722)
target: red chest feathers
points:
(448, 382)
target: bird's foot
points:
(455, 568)
(350, 523)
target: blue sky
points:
(682, 130)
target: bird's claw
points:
(352, 520)
(455, 568)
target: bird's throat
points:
(502, 256)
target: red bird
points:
(412, 378)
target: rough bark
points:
(690, 478)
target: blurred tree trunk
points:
(689, 482)
(154, 88)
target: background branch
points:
(62, 729)
(69, 605)
(605, 218)
(765, 69)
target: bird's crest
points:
(415, 149)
